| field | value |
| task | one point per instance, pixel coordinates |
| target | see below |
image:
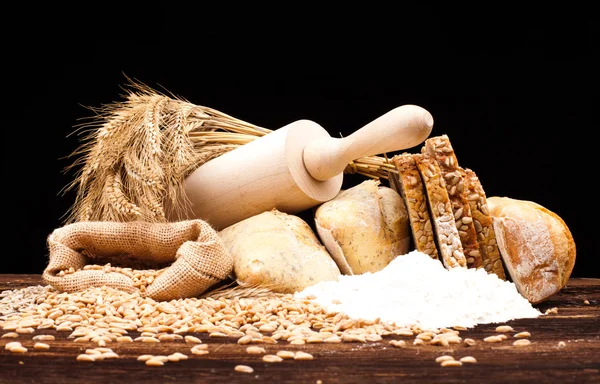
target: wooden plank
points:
(576, 324)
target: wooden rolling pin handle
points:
(401, 128)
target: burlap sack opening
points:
(190, 253)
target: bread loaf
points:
(364, 227)
(536, 245)
(278, 251)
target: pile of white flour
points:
(415, 289)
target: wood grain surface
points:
(575, 323)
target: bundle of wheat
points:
(135, 155)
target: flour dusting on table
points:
(415, 289)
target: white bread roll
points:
(364, 227)
(536, 245)
(278, 251)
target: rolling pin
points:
(293, 168)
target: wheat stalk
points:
(237, 289)
(135, 155)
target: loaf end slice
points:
(411, 188)
(441, 149)
(440, 209)
(488, 245)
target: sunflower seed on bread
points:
(440, 209)
(410, 187)
(441, 149)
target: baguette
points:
(440, 148)
(536, 246)
(440, 208)
(411, 188)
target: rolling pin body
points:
(295, 167)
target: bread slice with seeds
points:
(482, 220)
(410, 187)
(440, 209)
(441, 149)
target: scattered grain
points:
(451, 363)
(586, 302)
(18, 349)
(41, 346)
(177, 356)
(154, 362)
(272, 359)
(561, 344)
(85, 357)
(286, 354)
(493, 339)
(469, 342)
(43, 338)
(504, 329)
(442, 358)
(11, 345)
(468, 359)
(301, 355)
(110, 355)
(521, 342)
(333, 339)
(522, 335)
(398, 343)
(10, 335)
(255, 350)
(243, 368)
(551, 311)
(192, 339)
(199, 349)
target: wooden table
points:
(576, 324)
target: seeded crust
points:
(440, 148)
(490, 254)
(411, 188)
(440, 209)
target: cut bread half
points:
(441, 149)
(536, 245)
(440, 209)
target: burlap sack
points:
(190, 255)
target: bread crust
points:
(486, 236)
(410, 187)
(440, 209)
(441, 149)
(536, 245)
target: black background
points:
(516, 93)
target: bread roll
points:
(278, 251)
(364, 227)
(536, 245)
